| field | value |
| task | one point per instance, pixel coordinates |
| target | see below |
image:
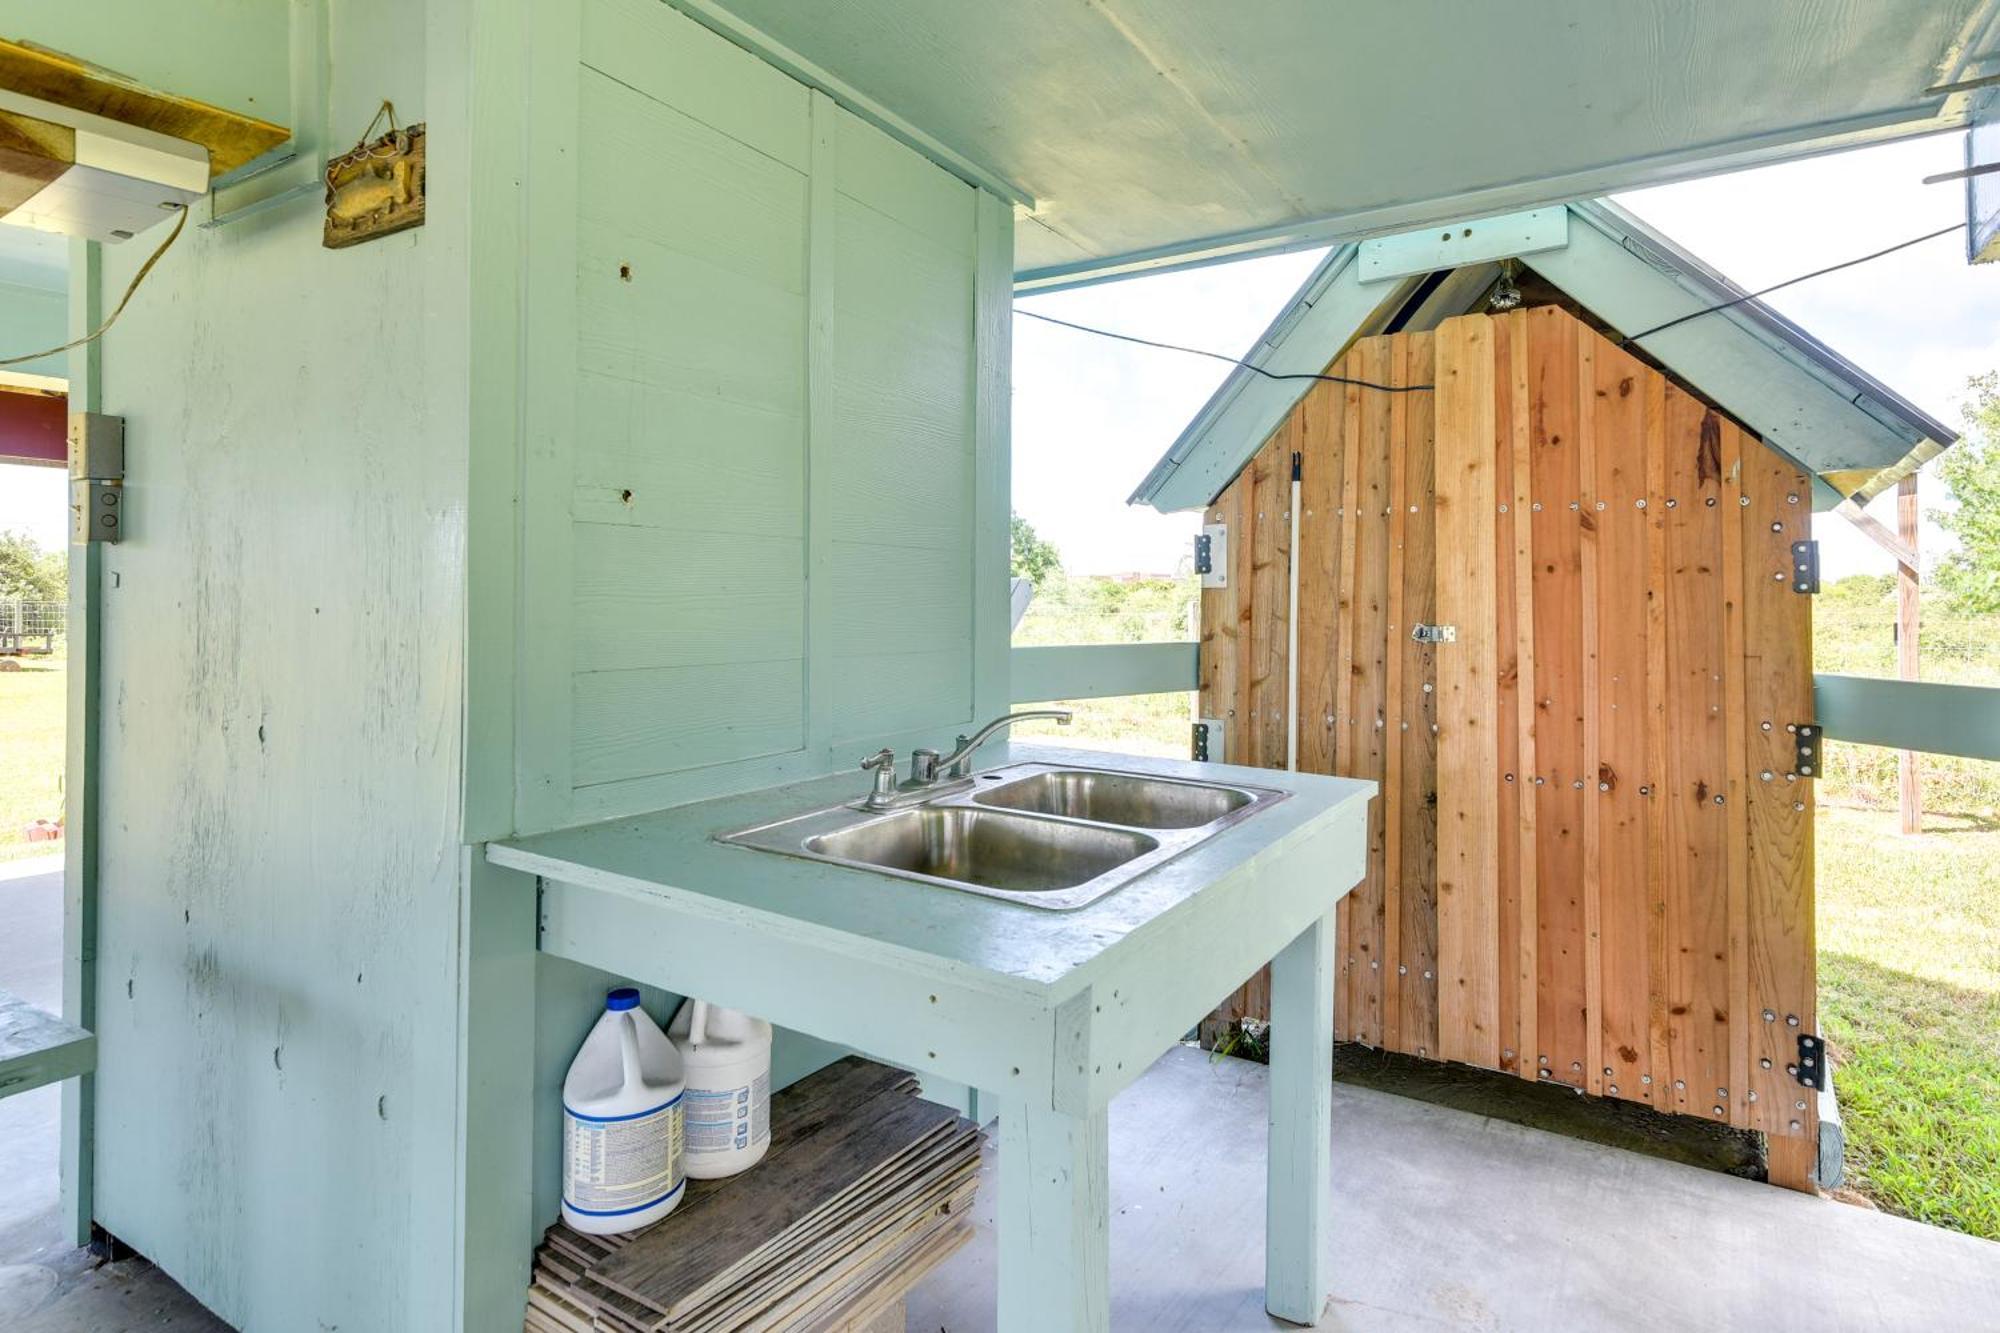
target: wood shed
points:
(1556, 599)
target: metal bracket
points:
(1421, 633)
(1208, 740)
(1211, 555)
(1805, 567)
(1810, 1071)
(1805, 761)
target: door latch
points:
(1422, 633)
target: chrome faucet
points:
(933, 774)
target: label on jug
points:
(622, 1164)
(726, 1119)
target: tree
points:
(1035, 559)
(1971, 574)
(30, 573)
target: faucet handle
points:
(883, 761)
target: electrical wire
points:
(1217, 356)
(130, 287)
(1415, 388)
(1762, 291)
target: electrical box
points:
(96, 477)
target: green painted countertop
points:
(673, 855)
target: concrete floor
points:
(1449, 1220)
(1444, 1220)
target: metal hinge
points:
(1805, 760)
(1805, 567)
(1208, 740)
(1810, 1071)
(1434, 633)
(1211, 555)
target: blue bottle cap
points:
(625, 997)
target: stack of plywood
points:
(866, 1188)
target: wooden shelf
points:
(230, 137)
(37, 1048)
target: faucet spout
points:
(958, 763)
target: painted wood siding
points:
(751, 516)
(1591, 858)
(282, 693)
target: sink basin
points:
(985, 848)
(1053, 836)
(1117, 798)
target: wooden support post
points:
(1299, 1196)
(82, 764)
(497, 1228)
(1909, 663)
(1055, 1221)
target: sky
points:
(1090, 415)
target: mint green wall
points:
(756, 454)
(349, 603)
(282, 671)
(31, 318)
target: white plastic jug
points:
(727, 1057)
(623, 1157)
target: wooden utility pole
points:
(1908, 662)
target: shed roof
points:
(1831, 417)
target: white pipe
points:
(1292, 636)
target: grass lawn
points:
(1909, 980)
(31, 753)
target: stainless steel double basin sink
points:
(1050, 836)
